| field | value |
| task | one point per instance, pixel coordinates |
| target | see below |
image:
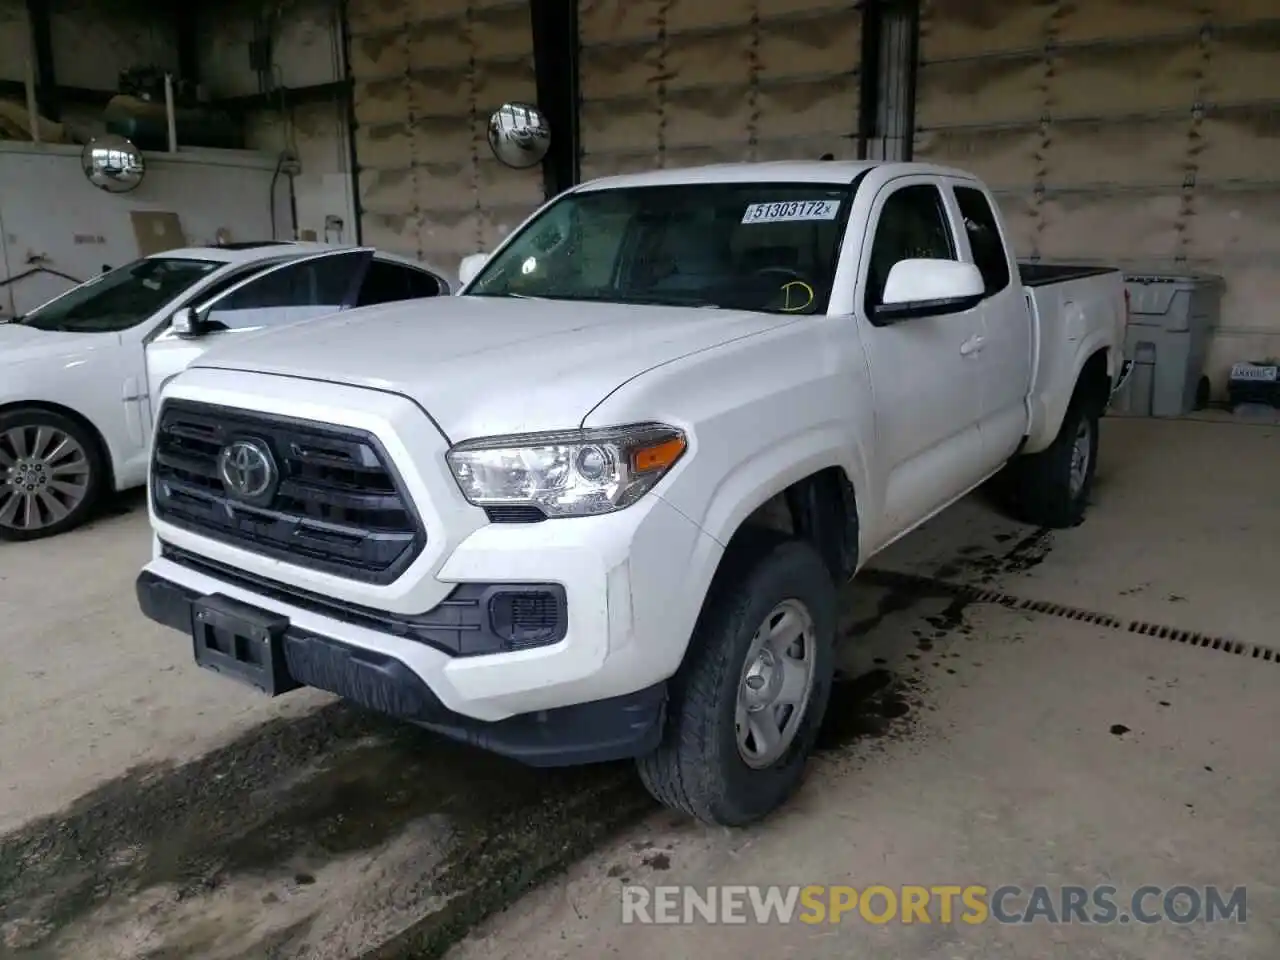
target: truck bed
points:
(1036, 274)
(1071, 306)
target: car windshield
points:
(769, 247)
(122, 298)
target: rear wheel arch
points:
(1093, 385)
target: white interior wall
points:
(14, 39)
(306, 52)
(52, 216)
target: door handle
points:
(972, 346)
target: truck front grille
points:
(334, 502)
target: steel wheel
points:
(1081, 451)
(777, 681)
(46, 475)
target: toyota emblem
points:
(247, 469)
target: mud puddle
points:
(345, 834)
(321, 837)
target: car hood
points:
(483, 366)
(21, 344)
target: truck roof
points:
(776, 171)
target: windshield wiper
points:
(630, 300)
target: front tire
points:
(51, 474)
(1051, 488)
(747, 703)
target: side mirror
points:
(470, 267)
(187, 324)
(929, 288)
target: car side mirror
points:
(471, 267)
(186, 323)
(928, 288)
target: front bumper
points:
(611, 729)
(632, 582)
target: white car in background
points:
(80, 375)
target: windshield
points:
(749, 246)
(120, 299)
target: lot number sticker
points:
(791, 210)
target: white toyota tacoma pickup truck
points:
(599, 506)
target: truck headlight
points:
(573, 473)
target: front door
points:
(299, 289)
(923, 371)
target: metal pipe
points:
(353, 161)
(33, 112)
(170, 115)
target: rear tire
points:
(1051, 488)
(52, 474)
(712, 763)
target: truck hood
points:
(483, 366)
(21, 344)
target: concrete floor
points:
(150, 810)
(1007, 769)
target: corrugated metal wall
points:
(671, 83)
(1144, 132)
(428, 73)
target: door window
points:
(287, 293)
(913, 225)
(388, 282)
(984, 238)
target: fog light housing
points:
(526, 618)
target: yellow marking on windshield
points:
(786, 288)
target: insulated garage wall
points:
(428, 74)
(669, 83)
(1142, 132)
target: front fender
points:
(764, 473)
(89, 388)
(761, 413)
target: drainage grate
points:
(922, 587)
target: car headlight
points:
(573, 473)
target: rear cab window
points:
(989, 253)
(388, 282)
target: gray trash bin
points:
(1171, 320)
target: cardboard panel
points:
(1081, 21)
(1125, 152)
(684, 82)
(1118, 80)
(968, 28)
(1236, 225)
(1112, 226)
(428, 75)
(618, 21)
(1241, 144)
(981, 92)
(1244, 66)
(824, 107)
(830, 43)
(1004, 159)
